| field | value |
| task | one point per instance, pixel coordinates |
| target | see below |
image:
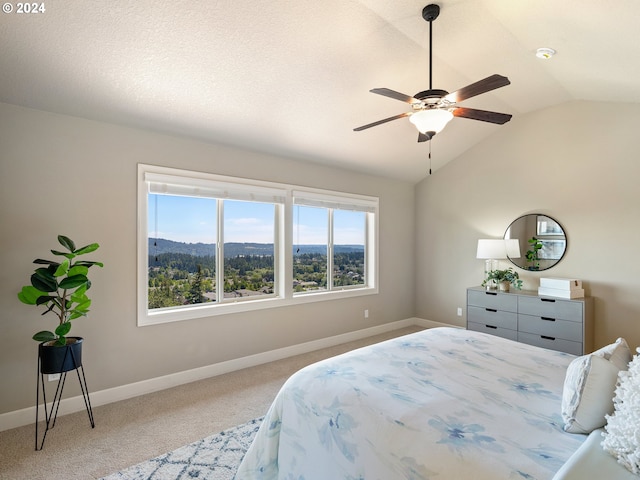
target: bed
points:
(443, 403)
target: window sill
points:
(212, 310)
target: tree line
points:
(181, 279)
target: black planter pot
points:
(59, 359)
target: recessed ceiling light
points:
(545, 53)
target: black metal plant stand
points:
(52, 413)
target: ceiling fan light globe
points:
(432, 120)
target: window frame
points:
(283, 242)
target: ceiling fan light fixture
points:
(431, 120)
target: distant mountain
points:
(158, 246)
(232, 249)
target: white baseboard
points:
(26, 416)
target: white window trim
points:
(242, 188)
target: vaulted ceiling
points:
(292, 77)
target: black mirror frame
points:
(550, 236)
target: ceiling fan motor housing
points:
(432, 93)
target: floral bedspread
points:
(442, 403)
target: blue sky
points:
(193, 220)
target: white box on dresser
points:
(560, 283)
(555, 323)
(557, 292)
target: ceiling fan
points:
(432, 109)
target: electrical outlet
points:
(53, 377)
(366, 314)
(459, 311)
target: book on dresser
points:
(562, 324)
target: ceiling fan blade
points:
(380, 122)
(481, 86)
(395, 95)
(423, 137)
(482, 115)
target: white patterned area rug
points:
(213, 458)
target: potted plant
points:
(532, 255)
(61, 287)
(503, 279)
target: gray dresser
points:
(523, 316)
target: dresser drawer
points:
(493, 317)
(545, 341)
(493, 330)
(564, 329)
(504, 301)
(550, 308)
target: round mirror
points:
(541, 239)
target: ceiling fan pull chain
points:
(429, 156)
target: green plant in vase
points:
(503, 278)
(61, 287)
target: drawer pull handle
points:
(491, 293)
(491, 310)
(491, 326)
(547, 300)
(548, 319)
(547, 338)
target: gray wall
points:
(576, 162)
(60, 174)
(65, 175)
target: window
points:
(310, 248)
(209, 245)
(329, 248)
(248, 249)
(348, 248)
(182, 250)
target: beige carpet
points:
(135, 430)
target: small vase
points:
(504, 286)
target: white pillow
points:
(622, 432)
(590, 461)
(589, 387)
(617, 353)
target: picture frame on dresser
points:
(524, 316)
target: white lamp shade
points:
(491, 248)
(431, 120)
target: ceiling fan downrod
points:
(430, 13)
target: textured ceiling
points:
(291, 77)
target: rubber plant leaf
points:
(62, 269)
(41, 261)
(92, 247)
(44, 283)
(89, 264)
(30, 295)
(63, 329)
(78, 270)
(67, 243)
(73, 282)
(63, 254)
(44, 336)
